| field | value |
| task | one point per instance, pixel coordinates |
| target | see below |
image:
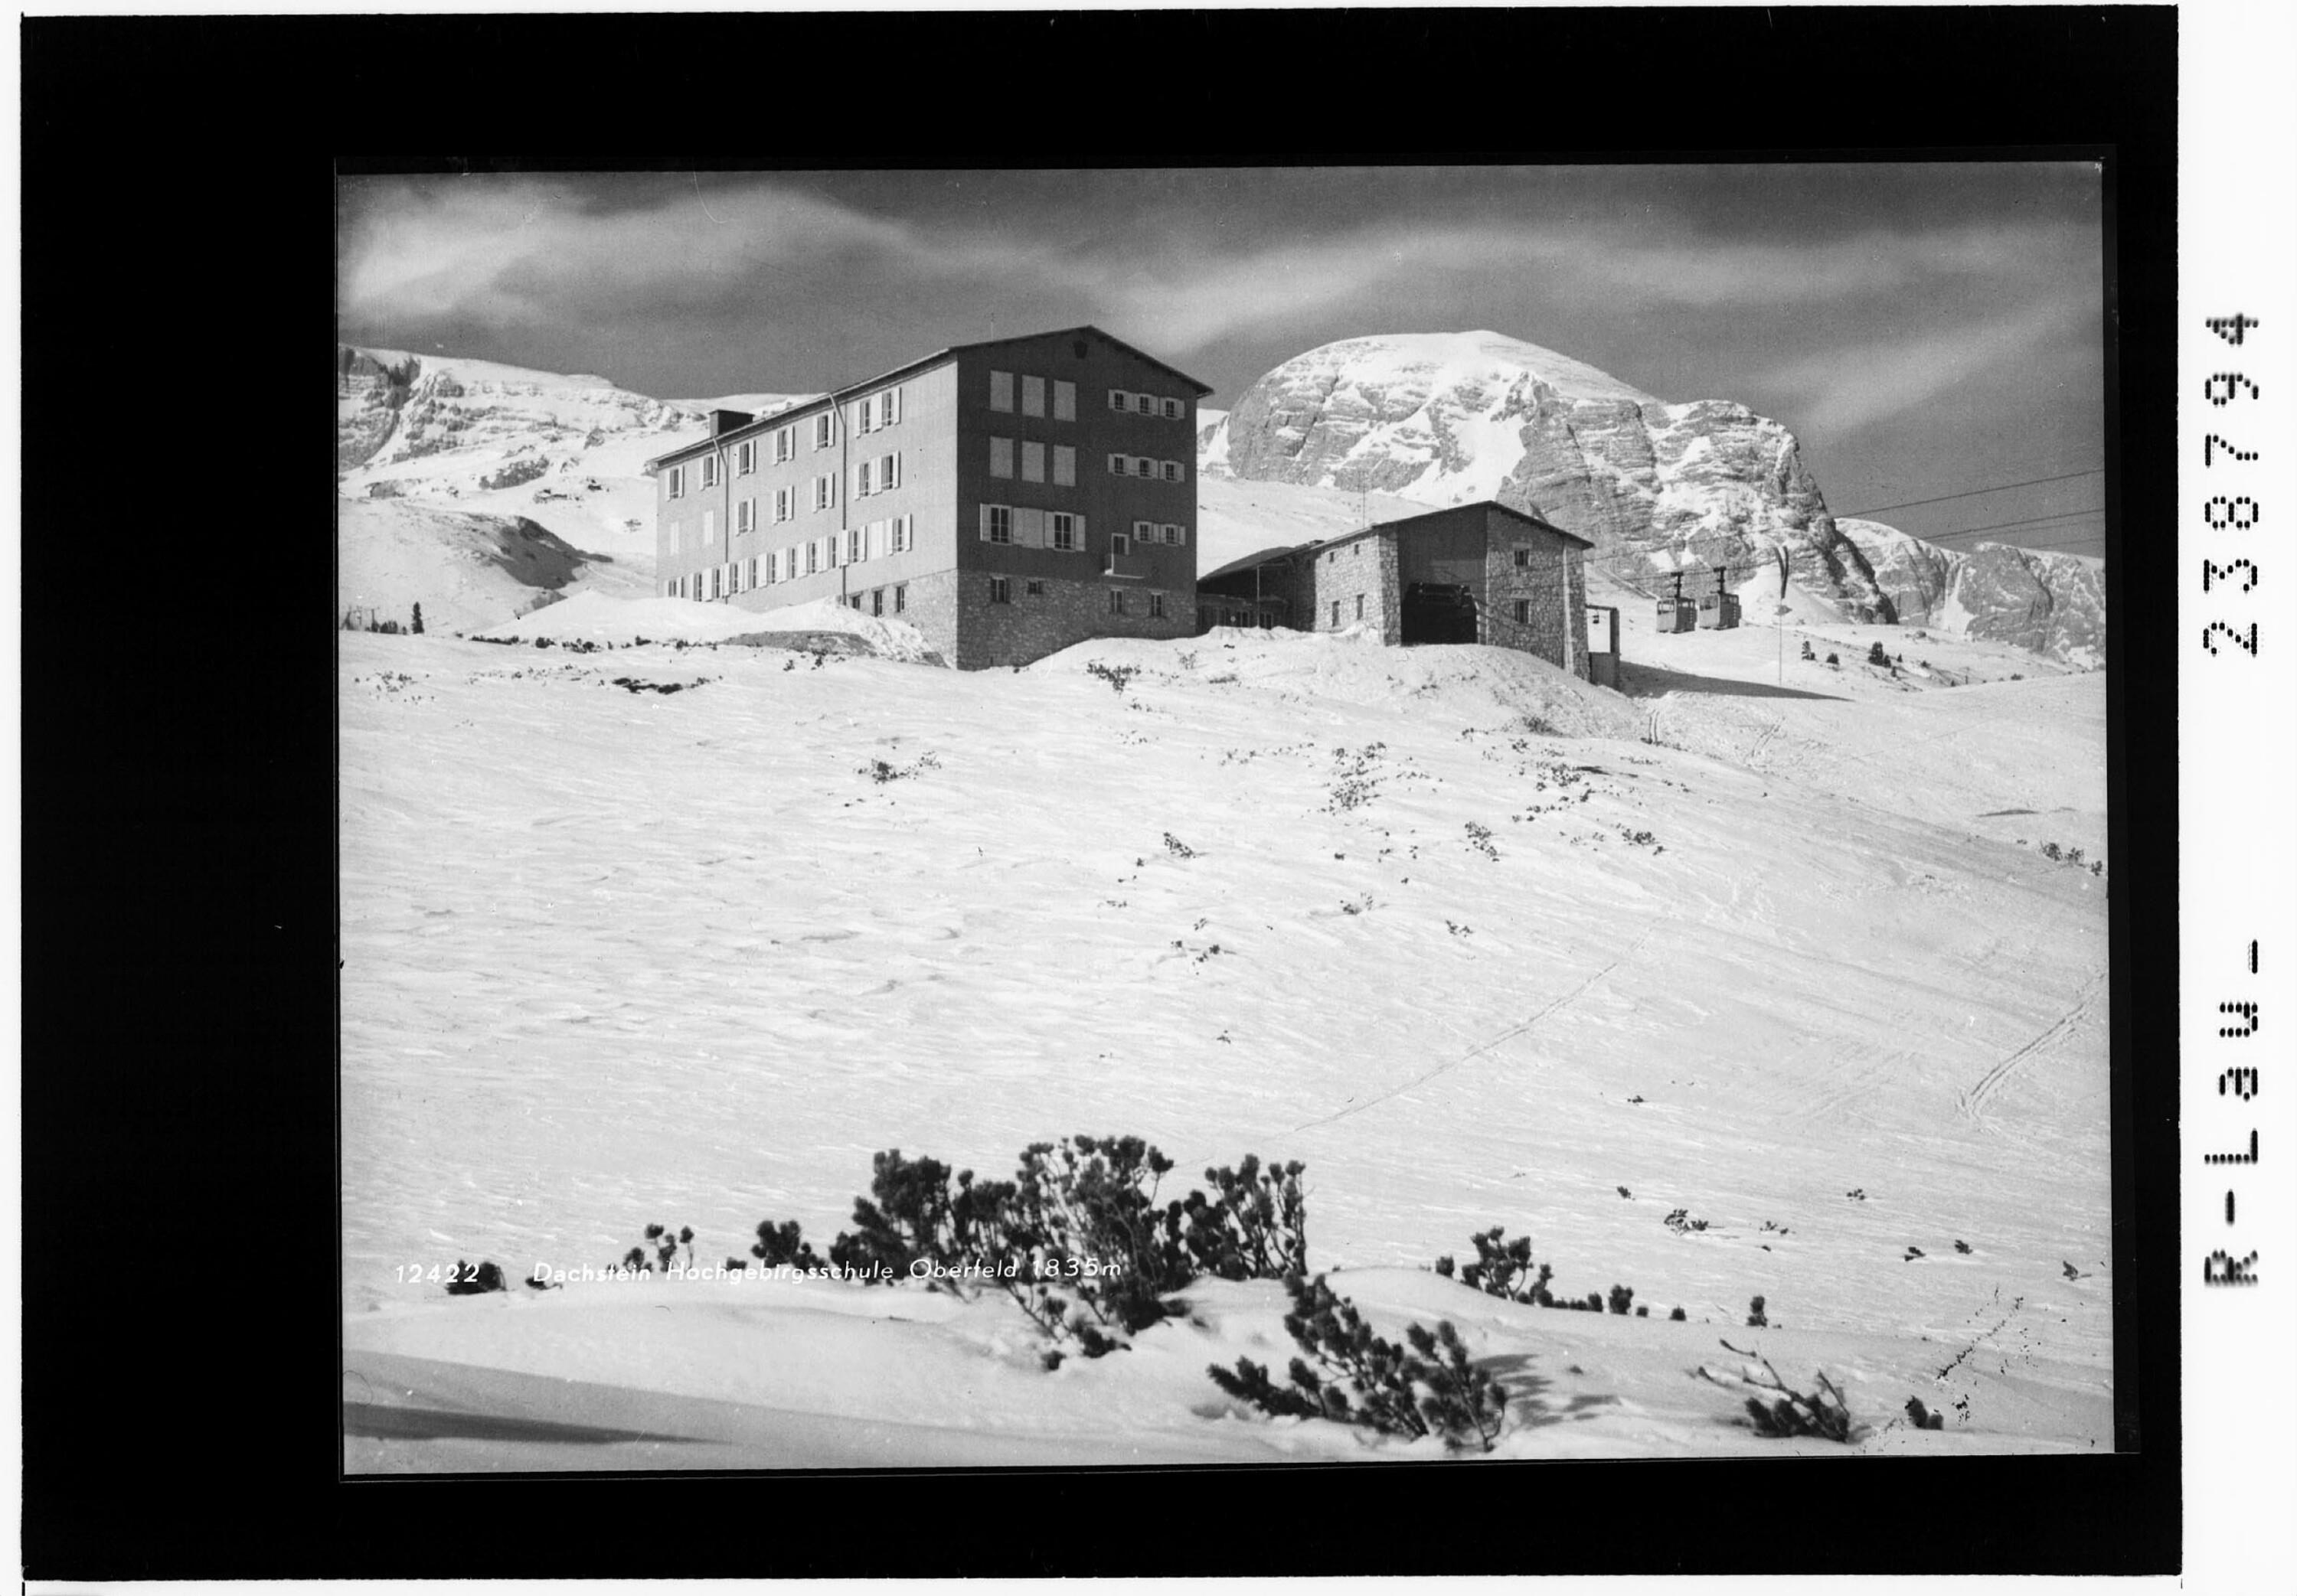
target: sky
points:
(1925, 330)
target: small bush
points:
(1622, 1299)
(1254, 1227)
(467, 1281)
(1116, 676)
(1825, 1416)
(1922, 1418)
(1502, 1268)
(780, 1245)
(1677, 1316)
(1755, 1315)
(2051, 850)
(1428, 1388)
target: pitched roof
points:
(920, 364)
(1286, 551)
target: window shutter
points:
(1080, 534)
(985, 522)
(1116, 399)
(1117, 465)
(891, 475)
(1064, 400)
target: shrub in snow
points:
(467, 1281)
(1502, 1268)
(1253, 1227)
(418, 627)
(2051, 850)
(1428, 1388)
(780, 1245)
(1677, 1315)
(1755, 1316)
(1623, 1299)
(1825, 1416)
(1922, 1418)
(1116, 676)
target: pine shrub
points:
(1428, 1388)
(1253, 1227)
(780, 1245)
(1504, 1267)
(1678, 1316)
(1623, 1299)
(1825, 1416)
(1755, 1316)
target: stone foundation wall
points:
(1555, 589)
(1365, 567)
(1066, 611)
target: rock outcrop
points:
(2040, 599)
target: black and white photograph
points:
(1229, 814)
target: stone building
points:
(1473, 573)
(1007, 498)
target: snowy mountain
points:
(482, 488)
(2040, 599)
(1447, 417)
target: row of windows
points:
(874, 414)
(1140, 465)
(1147, 404)
(1032, 396)
(1033, 461)
(720, 581)
(1001, 591)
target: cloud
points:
(520, 250)
(1851, 386)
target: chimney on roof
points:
(722, 422)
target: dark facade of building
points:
(1474, 573)
(1007, 498)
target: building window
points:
(900, 598)
(1065, 531)
(1033, 461)
(717, 582)
(1116, 601)
(997, 524)
(812, 556)
(1360, 606)
(1032, 396)
(1118, 545)
(753, 570)
(1145, 403)
(865, 477)
(853, 545)
(1118, 399)
(1036, 589)
(745, 515)
(1001, 589)
(669, 589)
(877, 600)
(785, 445)
(1000, 457)
(1001, 390)
(1336, 612)
(854, 603)
(784, 502)
(1144, 467)
(904, 533)
(1064, 400)
(1523, 611)
(889, 406)
(1064, 465)
(1174, 410)
(1523, 556)
(1119, 464)
(1155, 606)
(1175, 472)
(710, 470)
(889, 472)
(745, 458)
(678, 481)
(825, 490)
(824, 428)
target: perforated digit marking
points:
(2233, 382)
(2211, 572)
(2208, 637)
(2231, 327)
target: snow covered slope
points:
(1433, 921)
(1445, 419)
(2040, 599)
(469, 445)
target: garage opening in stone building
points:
(1474, 573)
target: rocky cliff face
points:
(393, 408)
(2052, 603)
(1446, 418)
